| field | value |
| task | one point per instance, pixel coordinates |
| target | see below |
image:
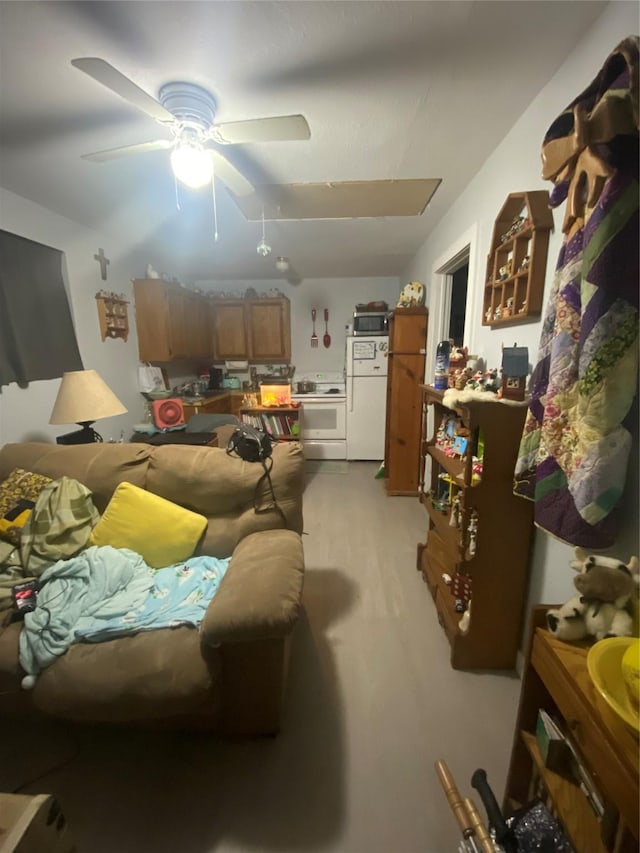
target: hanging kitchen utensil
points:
(314, 337)
(326, 340)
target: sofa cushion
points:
(155, 674)
(223, 488)
(160, 531)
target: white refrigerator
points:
(366, 373)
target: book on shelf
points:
(561, 755)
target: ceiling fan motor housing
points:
(190, 104)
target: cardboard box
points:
(555, 751)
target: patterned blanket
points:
(575, 447)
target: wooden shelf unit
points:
(278, 421)
(499, 568)
(518, 297)
(113, 316)
(556, 679)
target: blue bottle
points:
(441, 377)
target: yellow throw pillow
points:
(160, 531)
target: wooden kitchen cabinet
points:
(230, 340)
(556, 679)
(171, 322)
(405, 375)
(269, 330)
(484, 550)
(258, 330)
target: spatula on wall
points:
(314, 337)
(326, 340)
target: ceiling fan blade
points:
(124, 150)
(121, 85)
(276, 129)
(229, 175)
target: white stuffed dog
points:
(604, 606)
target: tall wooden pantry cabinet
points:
(407, 353)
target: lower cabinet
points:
(225, 403)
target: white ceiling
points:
(390, 90)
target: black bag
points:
(250, 444)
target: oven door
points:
(324, 420)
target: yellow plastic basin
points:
(604, 662)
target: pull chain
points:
(215, 208)
(175, 183)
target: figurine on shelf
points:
(523, 308)
(454, 519)
(472, 532)
(506, 270)
(487, 314)
(524, 265)
(497, 314)
(507, 311)
(492, 382)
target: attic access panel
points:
(339, 200)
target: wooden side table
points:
(556, 679)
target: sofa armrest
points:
(260, 595)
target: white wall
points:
(515, 166)
(339, 295)
(24, 413)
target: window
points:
(37, 338)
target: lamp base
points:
(86, 435)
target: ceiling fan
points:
(187, 111)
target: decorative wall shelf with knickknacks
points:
(113, 315)
(517, 261)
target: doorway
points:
(458, 306)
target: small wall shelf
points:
(113, 315)
(517, 260)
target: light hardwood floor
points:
(372, 703)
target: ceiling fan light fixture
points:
(282, 264)
(191, 164)
(263, 248)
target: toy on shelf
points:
(607, 596)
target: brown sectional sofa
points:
(229, 676)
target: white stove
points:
(323, 416)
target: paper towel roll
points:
(236, 365)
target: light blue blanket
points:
(106, 592)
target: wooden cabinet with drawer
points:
(556, 680)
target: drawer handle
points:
(574, 726)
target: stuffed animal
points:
(604, 606)
(411, 295)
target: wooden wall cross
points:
(104, 262)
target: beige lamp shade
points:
(84, 397)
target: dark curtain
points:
(37, 338)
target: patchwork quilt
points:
(575, 446)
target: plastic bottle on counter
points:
(441, 377)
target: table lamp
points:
(83, 397)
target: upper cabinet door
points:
(152, 320)
(196, 321)
(269, 329)
(229, 329)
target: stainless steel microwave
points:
(370, 323)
